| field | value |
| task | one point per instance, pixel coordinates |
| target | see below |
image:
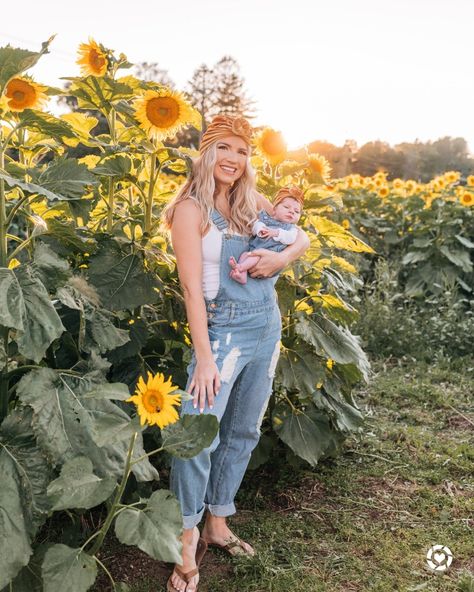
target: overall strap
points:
(219, 220)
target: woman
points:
(235, 330)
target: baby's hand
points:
(267, 232)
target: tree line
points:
(221, 88)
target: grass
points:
(364, 521)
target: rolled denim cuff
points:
(193, 520)
(225, 510)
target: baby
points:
(273, 233)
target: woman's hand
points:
(205, 383)
(269, 264)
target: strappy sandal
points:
(201, 549)
(232, 546)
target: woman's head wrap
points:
(224, 125)
(289, 191)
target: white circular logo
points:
(439, 558)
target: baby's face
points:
(288, 210)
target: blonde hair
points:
(201, 188)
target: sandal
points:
(201, 549)
(187, 577)
(231, 548)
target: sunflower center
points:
(96, 60)
(273, 144)
(162, 111)
(152, 401)
(18, 95)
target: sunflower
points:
(397, 183)
(319, 165)
(410, 186)
(92, 59)
(271, 145)
(452, 176)
(383, 191)
(154, 401)
(467, 198)
(346, 224)
(23, 93)
(470, 180)
(162, 113)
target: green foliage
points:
(78, 487)
(155, 528)
(71, 570)
(14, 61)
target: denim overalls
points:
(244, 327)
(258, 242)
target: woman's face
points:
(232, 153)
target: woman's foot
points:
(190, 540)
(216, 532)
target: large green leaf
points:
(29, 578)
(41, 322)
(93, 92)
(12, 306)
(459, 258)
(308, 433)
(52, 269)
(78, 487)
(101, 333)
(70, 240)
(68, 570)
(191, 434)
(97, 331)
(25, 474)
(66, 178)
(32, 188)
(415, 256)
(299, 369)
(116, 390)
(14, 61)
(118, 166)
(68, 424)
(120, 277)
(344, 413)
(333, 341)
(155, 529)
(82, 124)
(46, 124)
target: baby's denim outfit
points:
(244, 325)
(259, 242)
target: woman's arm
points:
(271, 263)
(187, 245)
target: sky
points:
(390, 70)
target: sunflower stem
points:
(110, 205)
(110, 194)
(118, 496)
(4, 331)
(147, 455)
(149, 201)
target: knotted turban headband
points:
(289, 191)
(224, 125)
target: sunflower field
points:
(93, 339)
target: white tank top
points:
(211, 260)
